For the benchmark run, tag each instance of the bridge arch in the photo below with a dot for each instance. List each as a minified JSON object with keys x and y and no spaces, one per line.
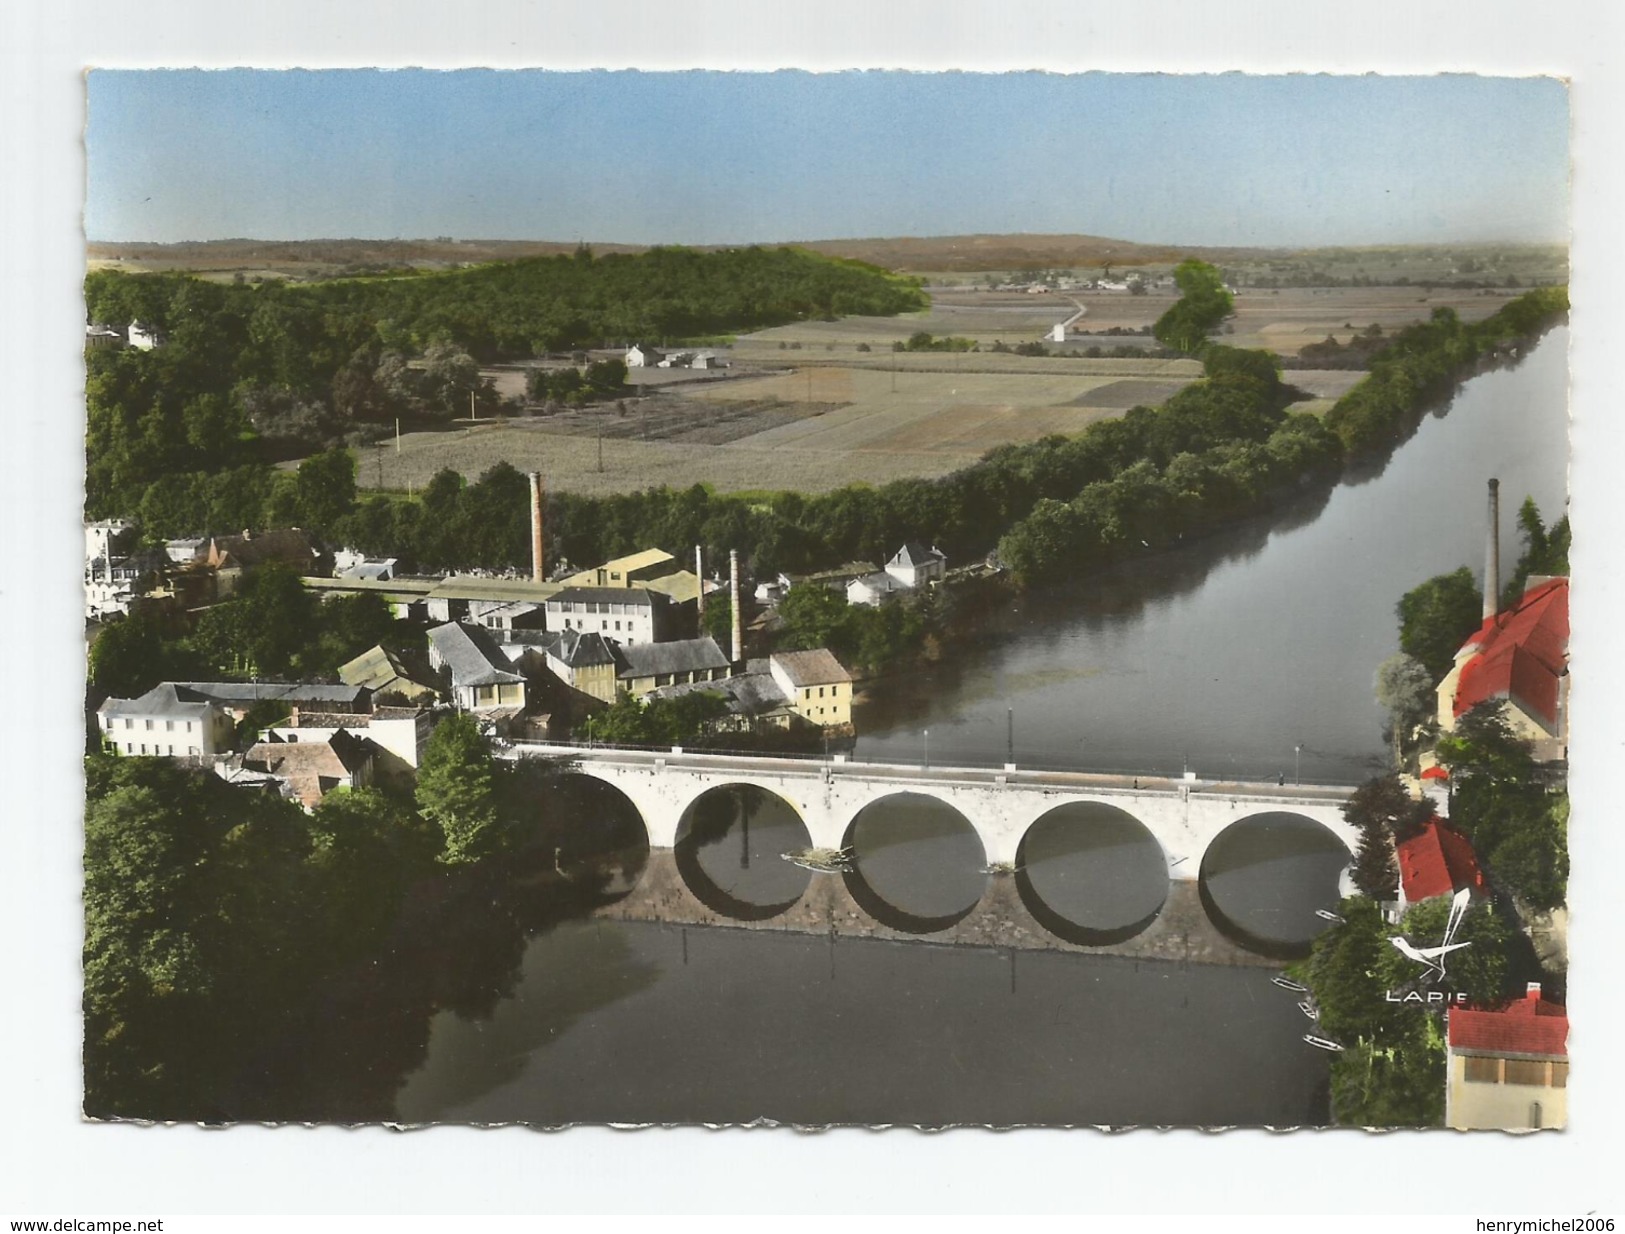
{"x":1265,"y":876}
{"x":918,"y":863}
{"x":729,"y":849}
{"x":1091,"y":872}
{"x":586,"y":822}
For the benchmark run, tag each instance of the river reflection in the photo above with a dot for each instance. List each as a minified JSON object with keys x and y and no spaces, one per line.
{"x":1251,"y":653}
{"x":640,"y":1022}
{"x":730,"y":847}
{"x":918,"y":864}
{"x":1264,"y":877}
{"x":1091,"y":873}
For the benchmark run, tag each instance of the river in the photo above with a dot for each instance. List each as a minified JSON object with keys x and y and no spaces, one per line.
{"x":1250,"y":654}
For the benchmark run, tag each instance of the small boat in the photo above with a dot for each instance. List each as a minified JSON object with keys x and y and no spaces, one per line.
{"x":1286,"y":983}
{"x":1327,"y":915}
{"x":1320,"y":1043}
{"x":1309,"y":1009}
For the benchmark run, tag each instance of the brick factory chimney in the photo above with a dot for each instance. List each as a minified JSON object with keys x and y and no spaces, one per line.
{"x":1492,"y":554}
{"x":538,"y":573}
{"x":699,"y":572}
{"x":733,"y":599}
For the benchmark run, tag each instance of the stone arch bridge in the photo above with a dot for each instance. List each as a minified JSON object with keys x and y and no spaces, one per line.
{"x":1184,"y":815}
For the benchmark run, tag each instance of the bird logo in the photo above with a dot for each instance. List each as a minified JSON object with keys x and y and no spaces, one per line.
{"x":1432,"y":958}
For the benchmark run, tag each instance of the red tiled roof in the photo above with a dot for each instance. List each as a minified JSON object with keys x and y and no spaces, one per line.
{"x":1435,"y":773}
{"x":1521,"y":654}
{"x":1437,"y":862}
{"x":1530,"y":1026}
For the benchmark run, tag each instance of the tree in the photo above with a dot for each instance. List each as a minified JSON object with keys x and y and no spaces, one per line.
{"x":1482,"y":970}
{"x":1436,"y":617}
{"x":1203,"y":304}
{"x":326,"y":487}
{"x":1545,"y":551}
{"x":127,"y":658}
{"x":457,"y":791}
{"x":1406,"y":692}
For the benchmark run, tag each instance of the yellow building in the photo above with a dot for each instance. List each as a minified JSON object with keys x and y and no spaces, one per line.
{"x":1508,"y":1070}
{"x":651,"y":563}
{"x":818,"y":686}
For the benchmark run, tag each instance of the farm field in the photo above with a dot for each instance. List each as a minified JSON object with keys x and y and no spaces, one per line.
{"x":814,"y":429}
{"x":1282,"y":321}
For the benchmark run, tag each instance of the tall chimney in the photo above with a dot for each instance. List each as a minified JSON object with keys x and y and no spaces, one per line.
{"x":733,"y":599}
{"x":1492,"y":554}
{"x":538,"y":573}
{"x":699,"y":573}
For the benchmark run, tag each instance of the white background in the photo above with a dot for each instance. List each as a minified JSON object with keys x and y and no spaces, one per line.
{"x":51,"y":1164}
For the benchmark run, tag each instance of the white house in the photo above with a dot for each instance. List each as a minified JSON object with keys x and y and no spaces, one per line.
{"x":401,"y":731}
{"x":915,"y":565}
{"x":480,"y":676}
{"x":144,"y":336}
{"x":639,"y":356}
{"x":625,"y":614}
{"x":873,"y":589}
{"x":168,"y":721}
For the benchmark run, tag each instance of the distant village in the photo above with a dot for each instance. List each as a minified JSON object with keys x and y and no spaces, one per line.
{"x":530,"y":659}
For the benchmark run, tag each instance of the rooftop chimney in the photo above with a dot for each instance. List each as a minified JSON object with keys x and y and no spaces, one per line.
{"x":1492,"y":554}
{"x":1533,"y":991}
{"x":733,"y":599}
{"x":699,"y":573}
{"x":538,"y":573}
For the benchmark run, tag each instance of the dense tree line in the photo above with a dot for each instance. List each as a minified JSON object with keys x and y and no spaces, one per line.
{"x":249,"y":374}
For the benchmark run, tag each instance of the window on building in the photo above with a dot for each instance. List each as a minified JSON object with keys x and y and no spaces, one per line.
{"x":143,"y":747}
{"x":149,"y":725}
{"x":129,"y":723}
{"x":188,"y":726}
{"x":1483,"y":1070}
{"x":617,"y":627}
{"x":172,"y":749}
{"x":820,"y":691}
{"x":192,"y":749}
{"x":1525,"y":1071}
{"x":1534,"y":1114}
{"x":169,"y":726}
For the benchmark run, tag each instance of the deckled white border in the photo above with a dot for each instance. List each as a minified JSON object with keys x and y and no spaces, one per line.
{"x":53,"y":1164}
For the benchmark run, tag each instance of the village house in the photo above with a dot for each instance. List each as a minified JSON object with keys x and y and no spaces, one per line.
{"x":144,"y":337}
{"x":816,"y":684}
{"x":312,"y":769}
{"x":385,"y":671}
{"x":481,"y":679}
{"x":98,"y":335}
{"x":397,"y":733}
{"x":239,"y":697}
{"x":227,"y":557}
{"x":1438,"y":861}
{"x":1519,"y":657}
{"x":1507,"y":1068}
{"x":754,"y":700}
{"x":408,"y":598}
{"x":628,"y":615}
{"x":584,"y":662}
{"x":874,"y":589}
{"x":471,"y":595}
{"x":914,"y":565}
{"x":624,"y":571}
{"x":168,"y":721}
{"x":639,"y":356}
{"x":644,"y":667}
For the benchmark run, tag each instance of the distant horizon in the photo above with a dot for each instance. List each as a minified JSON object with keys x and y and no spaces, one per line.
{"x":591,"y":241}
{"x":734,"y":159}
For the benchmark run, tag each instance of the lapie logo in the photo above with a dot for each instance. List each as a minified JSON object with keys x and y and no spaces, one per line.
{"x":1432,"y":959}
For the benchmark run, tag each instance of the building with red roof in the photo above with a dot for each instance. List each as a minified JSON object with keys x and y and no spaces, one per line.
{"x":1508,"y":1069}
{"x":1438,"y":861}
{"x":1519,"y":657}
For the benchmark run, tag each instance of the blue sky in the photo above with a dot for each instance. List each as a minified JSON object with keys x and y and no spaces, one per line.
{"x":712,"y":158}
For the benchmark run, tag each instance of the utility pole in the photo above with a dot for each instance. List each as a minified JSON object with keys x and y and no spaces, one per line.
{"x":472,"y":413}
{"x":1010,"y":734}
{"x":600,"y":447}
{"x":397,"y":434}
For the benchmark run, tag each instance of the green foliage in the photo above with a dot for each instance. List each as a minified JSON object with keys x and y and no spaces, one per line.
{"x":1391,"y":1072}
{"x":1424,"y":361}
{"x":325,"y":488}
{"x":211,"y":912}
{"x":1481,"y":971}
{"x":131,"y":655}
{"x":921,"y":340}
{"x":1436,"y":617}
{"x":1545,"y":551}
{"x":457,"y":792}
{"x":1499,"y":800}
{"x":1202,"y":305}
{"x":685,"y":720}
{"x":266,"y":629}
{"x":1405,"y":690}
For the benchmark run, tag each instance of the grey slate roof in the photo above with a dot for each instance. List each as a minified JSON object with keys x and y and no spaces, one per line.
{"x":165,"y":699}
{"x":750,"y":694}
{"x":603,"y":595}
{"x":472,"y":655}
{"x":246,"y":693}
{"x":682,"y":656}
{"x":882,"y":582}
{"x":914,"y":553}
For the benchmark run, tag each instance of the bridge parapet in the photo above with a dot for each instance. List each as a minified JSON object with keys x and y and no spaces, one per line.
{"x":1184,"y":815}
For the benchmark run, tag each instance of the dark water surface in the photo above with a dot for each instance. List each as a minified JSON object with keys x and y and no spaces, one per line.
{"x":1239,"y":648}
{"x":1229,"y":653}
{"x":640,"y":1022}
